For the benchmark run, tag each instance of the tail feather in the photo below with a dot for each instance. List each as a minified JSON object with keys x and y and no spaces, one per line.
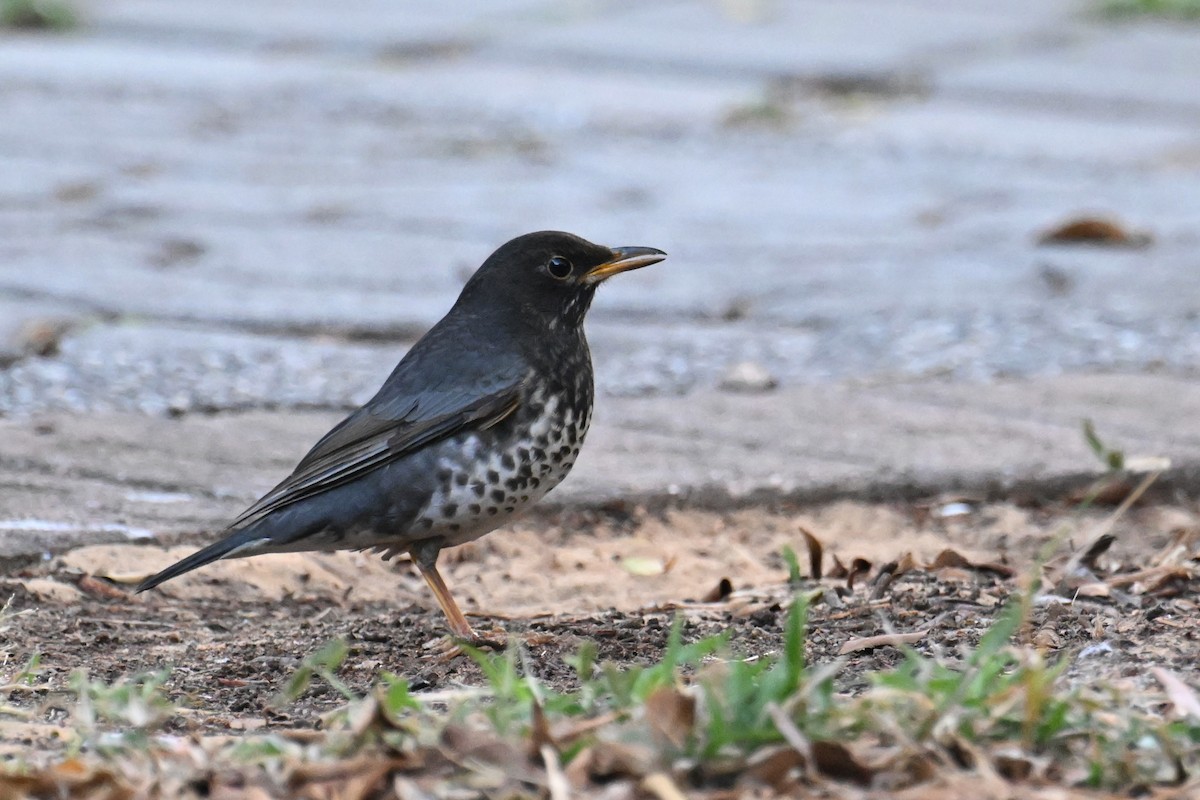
{"x":214,"y":552}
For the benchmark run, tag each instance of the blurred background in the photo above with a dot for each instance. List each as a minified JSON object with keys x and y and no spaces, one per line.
{"x":233,"y":204}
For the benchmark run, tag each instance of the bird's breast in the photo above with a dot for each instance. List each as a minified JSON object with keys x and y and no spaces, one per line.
{"x":486,"y":477}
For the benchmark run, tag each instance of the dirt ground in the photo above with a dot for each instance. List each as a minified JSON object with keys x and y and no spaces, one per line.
{"x":233,"y":633}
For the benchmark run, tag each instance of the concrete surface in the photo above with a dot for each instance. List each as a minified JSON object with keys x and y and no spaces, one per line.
{"x":67,"y":478}
{"x":237,"y":213}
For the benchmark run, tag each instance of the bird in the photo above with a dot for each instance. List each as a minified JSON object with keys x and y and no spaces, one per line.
{"x":482,"y":417}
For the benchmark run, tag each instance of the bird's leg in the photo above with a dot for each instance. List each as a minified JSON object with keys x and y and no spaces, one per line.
{"x":425,"y":557}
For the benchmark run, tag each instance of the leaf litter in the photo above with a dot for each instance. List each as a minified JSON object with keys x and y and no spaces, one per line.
{"x":308,"y":677}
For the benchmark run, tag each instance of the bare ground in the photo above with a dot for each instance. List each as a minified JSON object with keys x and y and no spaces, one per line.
{"x":233,"y":633}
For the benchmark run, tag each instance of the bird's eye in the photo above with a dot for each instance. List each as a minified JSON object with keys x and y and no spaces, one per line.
{"x":559,"y":268}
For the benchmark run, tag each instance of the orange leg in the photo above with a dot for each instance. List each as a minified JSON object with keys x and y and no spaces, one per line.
{"x":459,"y":626}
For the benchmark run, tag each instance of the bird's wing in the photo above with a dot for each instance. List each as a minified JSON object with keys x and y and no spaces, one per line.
{"x":386,"y":428}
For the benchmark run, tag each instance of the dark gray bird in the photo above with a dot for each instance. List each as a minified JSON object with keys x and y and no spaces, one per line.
{"x":482,"y":417}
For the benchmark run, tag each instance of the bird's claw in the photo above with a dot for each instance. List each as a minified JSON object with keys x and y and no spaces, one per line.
{"x":450,"y":646}
{"x":481,"y":642}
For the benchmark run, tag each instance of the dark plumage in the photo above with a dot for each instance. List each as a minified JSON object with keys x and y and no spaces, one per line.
{"x":482,"y":417}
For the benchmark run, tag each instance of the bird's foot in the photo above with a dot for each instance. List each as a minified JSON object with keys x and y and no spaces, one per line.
{"x":450,"y":646}
{"x":497,"y":640}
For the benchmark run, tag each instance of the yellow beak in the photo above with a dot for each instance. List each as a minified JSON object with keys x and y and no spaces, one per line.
{"x":623,"y":260}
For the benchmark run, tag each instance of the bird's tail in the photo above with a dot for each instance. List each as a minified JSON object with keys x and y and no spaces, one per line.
{"x":217,"y":550}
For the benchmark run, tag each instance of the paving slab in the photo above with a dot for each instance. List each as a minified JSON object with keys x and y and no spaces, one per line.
{"x":70,"y":479}
{"x":246,"y":212}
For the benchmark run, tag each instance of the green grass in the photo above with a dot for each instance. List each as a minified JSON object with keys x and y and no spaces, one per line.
{"x":1179,"y":9}
{"x":37,"y":14}
{"x":700,"y":705}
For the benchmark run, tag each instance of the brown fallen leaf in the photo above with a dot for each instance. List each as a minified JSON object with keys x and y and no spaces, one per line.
{"x":859,"y":567}
{"x":567,"y":731}
{"x":889,"y":572}
{"x":540,"y":738}
{"x":882,"y":640}
{"x":70,"y":778}
{"x":247,"y":724}
{"x":1097,"y":548}
{"x":815,"y":552}
{"x":723,"y":589}
{"x":1152,"y":576}
{"x":775,"y":767}
{"x":1179,"y":548}
{"x":671,"y":714}
{"x":102,"y":589}
{"x":608,"y":760}
{"x":839,"y":569}
{"x":1182,"y":696}
{"x":465,"y":746}
{"x":834,"y":760}
{"x":1014,"y":766}
{"x":949,"y":558}
{"x":354,"y":779}
{"x":952,"y":559}
{"x":1109,"y":491}
{"x":882,"y":581}
{"x":1094,"y":231}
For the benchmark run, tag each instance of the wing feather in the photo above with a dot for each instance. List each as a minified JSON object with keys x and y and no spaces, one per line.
{"x":375,"y":435}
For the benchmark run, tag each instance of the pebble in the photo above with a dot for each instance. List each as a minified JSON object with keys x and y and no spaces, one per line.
{"x":748,"y":376}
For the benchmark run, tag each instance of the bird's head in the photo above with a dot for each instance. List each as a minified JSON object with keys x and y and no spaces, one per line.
{"x":549,"y":277}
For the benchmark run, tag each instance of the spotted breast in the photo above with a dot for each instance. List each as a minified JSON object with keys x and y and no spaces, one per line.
{"x":486,"y":478}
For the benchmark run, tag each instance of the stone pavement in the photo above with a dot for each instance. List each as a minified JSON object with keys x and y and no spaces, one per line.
{"x":220,"y":207}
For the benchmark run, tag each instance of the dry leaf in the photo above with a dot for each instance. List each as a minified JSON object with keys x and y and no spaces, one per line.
{"x":355,"y":778}
{"x":1112,"y":491}
{"x":566,"y":731}
{"x":859,"y":567}
{"x":815,"y":552}
{"x":719,"y":592}
{"x":949,"y":558}
{"x":952,"y":559}
{"x":672,"y":714}
{"x":1182,"y":696}
{"x":101,"y":589}
{"x":610,"y":760}
{"x":883,"y":640}
{"x":835,"y":760}
{"x":1094,"y":231}
{"x":1152,"y":576}
{"x":540,"y":737}
{"x":247,"y":724}
{"x":776,"y":767}
{"x":363,"y":715}
{"x":790,"y":732}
